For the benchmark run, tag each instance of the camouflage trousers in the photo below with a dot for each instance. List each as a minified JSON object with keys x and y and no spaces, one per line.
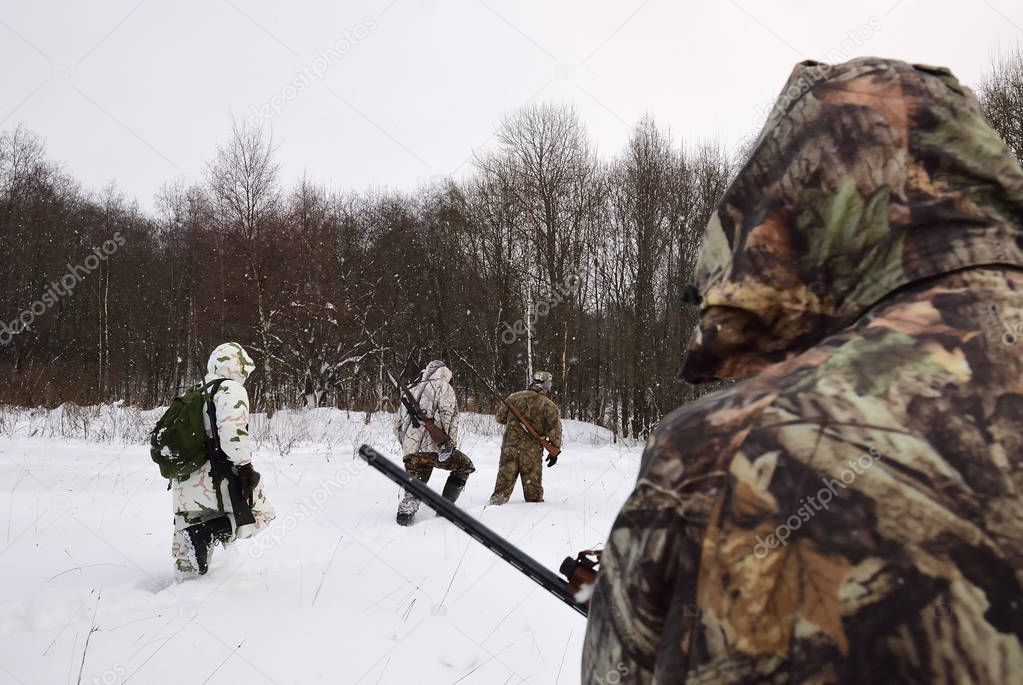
{"x":422,"y":464}
{"x":523,"y":463}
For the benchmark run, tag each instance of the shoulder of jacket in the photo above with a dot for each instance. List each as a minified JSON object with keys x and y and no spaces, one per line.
{"x":231,"y":388}
{"x":230,"y":385}
{"x":706,"y":434}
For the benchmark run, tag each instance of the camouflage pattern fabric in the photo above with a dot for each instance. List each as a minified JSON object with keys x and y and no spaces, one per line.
{"x":195,"y":498}
{"x":523,"y":465}
{"x":521,"y":456}
{"x":853,"y":512}
{"x":422,"y":464}
{"x":436,"y":396}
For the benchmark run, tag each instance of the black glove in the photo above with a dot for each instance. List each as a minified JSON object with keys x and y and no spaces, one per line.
{"x":552,"y":459}
{"x":446,"y":450}
{"x":248,"y":478}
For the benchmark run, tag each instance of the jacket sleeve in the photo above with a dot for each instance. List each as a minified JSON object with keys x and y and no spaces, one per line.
{"x":643,"y":608}
{"x":502,"y":414}
{"x":552,"y":423}
{"x":232,"y":405}
{"x":637,"y":604}
{"x":447,"y":412}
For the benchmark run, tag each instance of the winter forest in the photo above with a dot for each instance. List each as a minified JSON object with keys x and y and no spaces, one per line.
{"x":547,"y":255}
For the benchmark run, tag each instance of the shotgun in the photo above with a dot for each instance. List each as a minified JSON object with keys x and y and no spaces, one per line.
{"x":581,"y":571}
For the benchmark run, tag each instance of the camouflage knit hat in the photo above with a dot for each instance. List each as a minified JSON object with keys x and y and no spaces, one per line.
{"x":868,"y":176}
{"x":542,"y":379}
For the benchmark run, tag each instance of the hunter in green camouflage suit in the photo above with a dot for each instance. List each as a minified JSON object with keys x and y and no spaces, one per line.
{"x":853,"y":512}
{"x":521,"y":455}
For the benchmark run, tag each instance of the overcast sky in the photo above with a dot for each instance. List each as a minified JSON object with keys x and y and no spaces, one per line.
{"x":363,"y":93}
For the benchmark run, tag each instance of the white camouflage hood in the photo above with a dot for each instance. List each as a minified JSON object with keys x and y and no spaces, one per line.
{"x":436,"y":371}
{"x":230,"y":361}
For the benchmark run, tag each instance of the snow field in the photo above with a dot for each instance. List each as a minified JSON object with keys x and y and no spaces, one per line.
{"x":333,"y":592}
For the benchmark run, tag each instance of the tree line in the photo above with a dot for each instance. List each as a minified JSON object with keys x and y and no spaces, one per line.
{"x":546,"y":257}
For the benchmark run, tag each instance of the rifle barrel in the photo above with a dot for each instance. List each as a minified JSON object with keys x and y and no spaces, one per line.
{"x":536,"y":571}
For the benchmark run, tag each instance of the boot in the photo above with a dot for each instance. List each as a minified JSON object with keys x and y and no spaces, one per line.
{"x":407,"y":509}
{"x":203,"y":536}
{"x":453,"y":488}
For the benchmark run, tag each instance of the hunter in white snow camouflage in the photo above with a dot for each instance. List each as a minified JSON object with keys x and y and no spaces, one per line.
{"x":197,"y":499}
{"x":437,"y":398}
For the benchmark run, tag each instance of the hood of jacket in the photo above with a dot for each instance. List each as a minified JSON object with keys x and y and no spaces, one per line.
{"x":433,"y":372}
{"x":229,"y":361}
{"x":868,"y":177}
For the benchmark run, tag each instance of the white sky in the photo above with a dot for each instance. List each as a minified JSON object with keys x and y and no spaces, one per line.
{"x":140,"y":93}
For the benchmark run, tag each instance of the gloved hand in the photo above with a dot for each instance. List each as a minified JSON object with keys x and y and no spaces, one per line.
{"x":552,"y":459}
{"x":248,"y":477}
{"x":446,"y":450}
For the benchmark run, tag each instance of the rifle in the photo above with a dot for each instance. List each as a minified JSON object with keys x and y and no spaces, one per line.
{"x":416,"y":413}
{"x":539,"y":439}
{"x":583,"y":574}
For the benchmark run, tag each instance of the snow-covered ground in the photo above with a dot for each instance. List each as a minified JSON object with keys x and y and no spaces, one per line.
{"x":334,"y":592}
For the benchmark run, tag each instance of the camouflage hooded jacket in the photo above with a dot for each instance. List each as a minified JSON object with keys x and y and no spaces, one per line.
{"x":198,"y":494}
{"x":854,"y":511}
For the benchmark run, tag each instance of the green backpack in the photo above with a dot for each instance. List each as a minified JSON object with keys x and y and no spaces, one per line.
{"x":178,"y":443}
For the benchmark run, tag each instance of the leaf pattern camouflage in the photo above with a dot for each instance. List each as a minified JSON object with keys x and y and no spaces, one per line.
{"x":851,"y":511}
{"x":521,"y":456}
{"x":422,"y":464}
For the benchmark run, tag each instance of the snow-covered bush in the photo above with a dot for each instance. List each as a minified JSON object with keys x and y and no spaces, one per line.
{"x":282,"y":433}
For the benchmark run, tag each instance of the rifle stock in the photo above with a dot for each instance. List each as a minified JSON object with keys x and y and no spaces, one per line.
{"x":551,"y":448}
{"x":437,"y":434}
{"x":412,"y":406}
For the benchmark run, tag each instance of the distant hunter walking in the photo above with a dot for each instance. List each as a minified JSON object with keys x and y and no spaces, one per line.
{"x":535,"y":423}
{"x":427,"y":428}
{"x":202,"y":447}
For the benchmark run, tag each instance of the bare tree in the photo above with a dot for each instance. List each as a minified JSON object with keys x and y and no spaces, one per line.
{"x":243,"y":182}
{"x":596,"y":253}
{"x":645,"y":220}
{"x":1001,"y":98}
{"x":554,"y":179}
